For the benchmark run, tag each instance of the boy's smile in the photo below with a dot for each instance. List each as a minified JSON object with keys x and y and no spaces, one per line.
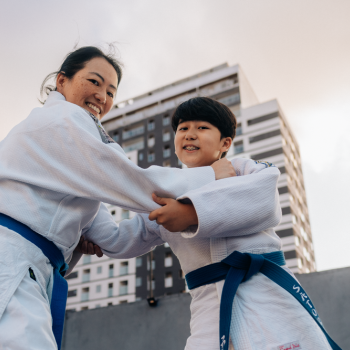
{"x":199,"y":143}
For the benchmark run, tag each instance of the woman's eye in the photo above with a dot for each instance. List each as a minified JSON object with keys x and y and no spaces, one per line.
{"x":95,"y":82}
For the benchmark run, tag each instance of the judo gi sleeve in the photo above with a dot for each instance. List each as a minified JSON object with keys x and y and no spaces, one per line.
{"x":131,"y":238}
{"x":237,"y":206}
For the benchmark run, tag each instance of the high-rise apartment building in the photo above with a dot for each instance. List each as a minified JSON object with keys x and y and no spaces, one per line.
{"x":142,"y":126}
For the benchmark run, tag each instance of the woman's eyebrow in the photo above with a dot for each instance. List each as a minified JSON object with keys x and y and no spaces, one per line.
{"x":101,"y":77}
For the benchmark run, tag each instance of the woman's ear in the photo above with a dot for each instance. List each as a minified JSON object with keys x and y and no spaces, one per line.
{"x":60,"y":82}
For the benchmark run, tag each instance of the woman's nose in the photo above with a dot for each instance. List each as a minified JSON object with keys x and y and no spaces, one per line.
{"x":101,"y":97}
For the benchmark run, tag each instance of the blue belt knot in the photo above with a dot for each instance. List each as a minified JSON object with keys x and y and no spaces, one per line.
{"x":240,"y":267}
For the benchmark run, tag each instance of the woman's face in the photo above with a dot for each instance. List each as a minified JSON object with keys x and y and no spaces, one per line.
{"x":92,"y":88}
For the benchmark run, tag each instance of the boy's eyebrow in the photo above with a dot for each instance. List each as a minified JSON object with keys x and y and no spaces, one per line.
{"x":101,"y":77}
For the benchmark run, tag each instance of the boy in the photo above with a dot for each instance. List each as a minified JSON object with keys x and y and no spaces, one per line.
{"x":264,"y":315}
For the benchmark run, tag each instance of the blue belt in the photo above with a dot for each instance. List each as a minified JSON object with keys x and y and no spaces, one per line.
{"x":239,"y":267}
{"x":60,"y":286}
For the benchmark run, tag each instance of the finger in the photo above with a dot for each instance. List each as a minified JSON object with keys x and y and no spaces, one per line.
{"x":159,"y":200}
{"x":84,"y":247}
{"x":153,"y":215}
{"x":91,"y":248}
{"x":98,"y":251}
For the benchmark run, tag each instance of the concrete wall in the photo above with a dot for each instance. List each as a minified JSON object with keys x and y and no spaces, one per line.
{"x":136,"y":326}
{"x":330,"y":292}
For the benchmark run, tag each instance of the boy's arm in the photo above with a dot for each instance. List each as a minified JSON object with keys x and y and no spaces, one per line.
{"x":236,"y":206}
{"x":129,"y":239}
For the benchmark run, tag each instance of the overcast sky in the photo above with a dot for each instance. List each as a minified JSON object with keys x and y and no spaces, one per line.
{"x":296,"y":51}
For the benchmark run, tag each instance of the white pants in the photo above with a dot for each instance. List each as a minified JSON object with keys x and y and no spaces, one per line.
{"x":25,"y":316}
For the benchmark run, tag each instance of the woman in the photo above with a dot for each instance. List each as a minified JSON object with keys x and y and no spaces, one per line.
{"x":56,"y":167}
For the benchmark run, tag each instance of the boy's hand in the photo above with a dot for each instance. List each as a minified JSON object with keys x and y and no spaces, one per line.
{"x":173,"y":215}
{"x":223,"y":169}
{"x":89,"y":248}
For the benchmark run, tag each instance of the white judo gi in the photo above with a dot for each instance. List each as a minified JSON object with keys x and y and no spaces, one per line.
{"x":264,"y":316}
{"x":54,"y":173}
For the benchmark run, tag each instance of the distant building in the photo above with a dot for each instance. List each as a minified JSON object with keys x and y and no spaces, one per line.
{"x":142,"y":127}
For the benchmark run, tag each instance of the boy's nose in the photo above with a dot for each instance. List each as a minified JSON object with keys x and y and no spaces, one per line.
{"x":191,"y":136}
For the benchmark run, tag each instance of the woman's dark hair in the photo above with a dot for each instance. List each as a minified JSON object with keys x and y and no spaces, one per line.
{"x":208,"y":110}
{"x":76,"y":60}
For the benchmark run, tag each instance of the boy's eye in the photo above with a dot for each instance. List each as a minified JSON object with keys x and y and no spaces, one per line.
{"x":95,"y":82}
{"x":203,"y":127}
{"x":110,"y":94}
{"x":183,"y":128}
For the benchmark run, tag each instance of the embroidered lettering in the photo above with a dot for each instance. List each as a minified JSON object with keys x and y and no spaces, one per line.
{"x":296,"y":287}
{"x":303,"y":296}
{"x":290,"y":346}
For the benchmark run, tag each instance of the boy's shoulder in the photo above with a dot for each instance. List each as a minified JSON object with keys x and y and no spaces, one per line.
{"x":244,"y":166}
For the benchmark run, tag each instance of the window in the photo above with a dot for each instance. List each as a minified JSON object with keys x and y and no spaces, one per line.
{"x":72,"y":275}
{"x":72,"y":293}
{"x":99,"y":269}
{"x":285,"y":233}
{"x":166,"y":245}
{"x":238,"y":147}
{"x":98,"y":288}
{"x":282,"y":190}
{"x":167,"y":163}
{"x":123,"y":287}
{"x":166,"y":136}
{"x":86,"y":275}
{"x":85,"y":294}
{"x":153,"y":264}
{"x":124,"y":266}
{"x":168,"y":259}
{"x":264,"y":136}
{"x":115,"y":137}
{"x":166,"y":152}
{"x":138,"y":281}
{"x":123,"y":302}
{"x":168,"y":280}
{"x":300,"y":263}
{"x":139,"y":261}
{"x":112,"y":212}
{"x":286,"y":211}
{"x":140,"y":156}
{"x":151,"y":157}
{"x":239,"y":129}
{"x":181,"y":274}
{"x":110,"y":290}
{"x":297,"y":242}
{"x":230,"y":100}
{"x":125,"y":214}
{"x":87,"y":259}
{"x":110,"y":304}
{"x":84,"y":308}
{"x":151,"y":141}
{"x":153,"y":283}
{"x":267,"y":154}
{"x":132,"y":145}
{"x":262,"y":119}
{"x":97,"y":306}
{"x":151,"y":125}
{"x":166,"y":120}
{"x":134,"y":131}
{"x":290,"y":254}
{"x":111,"y":270}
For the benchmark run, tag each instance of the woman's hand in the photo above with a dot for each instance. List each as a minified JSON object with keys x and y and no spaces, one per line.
{"x":223,"y":168}
{"x":173,"y":215}
{"x":89,"y":248}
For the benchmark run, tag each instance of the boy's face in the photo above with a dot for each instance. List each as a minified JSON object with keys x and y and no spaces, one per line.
{"x":199,"y":143}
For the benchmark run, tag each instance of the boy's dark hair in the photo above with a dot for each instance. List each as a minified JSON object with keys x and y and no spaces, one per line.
{"x":208,"y":110}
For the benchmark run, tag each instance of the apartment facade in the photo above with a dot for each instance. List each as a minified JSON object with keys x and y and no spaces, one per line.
{"x":142,"y":126}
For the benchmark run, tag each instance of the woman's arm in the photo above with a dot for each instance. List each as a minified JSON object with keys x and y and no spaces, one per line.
{"x":59,"y":148}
